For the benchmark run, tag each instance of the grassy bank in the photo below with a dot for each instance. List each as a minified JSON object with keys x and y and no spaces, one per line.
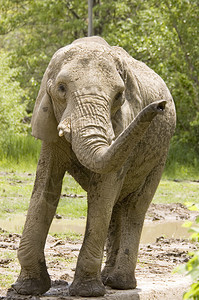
{"x":18,"y":160}
{"x":182,"y":161}
{"x":21,"y":153}
{"x":16,"y":189}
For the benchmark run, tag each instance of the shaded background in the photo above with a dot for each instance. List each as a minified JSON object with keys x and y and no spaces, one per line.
{"x":163,"y":34}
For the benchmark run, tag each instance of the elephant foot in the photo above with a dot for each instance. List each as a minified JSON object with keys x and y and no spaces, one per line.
{"x":105,"y":273}
{"x":87,"y":288}
{"x":33,"y":286}
{"x":119,"y":280}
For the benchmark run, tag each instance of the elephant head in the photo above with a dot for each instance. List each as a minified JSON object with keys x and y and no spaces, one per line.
{"x":85,"y":96}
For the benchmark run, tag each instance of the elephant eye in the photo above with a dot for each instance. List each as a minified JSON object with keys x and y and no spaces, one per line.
{"x":117,"y":103}
{"x":118,"y":96}
{"x":119,"y":99}
{"x":61,"y":88}
{"x":61,"y":91}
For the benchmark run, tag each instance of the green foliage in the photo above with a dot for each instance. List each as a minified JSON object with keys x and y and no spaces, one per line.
{"x":182,"y":161}
{"x":164,"y":34}
{"x":42,"y":27}
{"x":12,"y":106}
{"x":191,"y":268}
{"x":14,"y":142}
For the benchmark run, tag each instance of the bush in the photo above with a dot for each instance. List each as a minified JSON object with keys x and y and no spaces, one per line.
{"x":182,"y":161}
{"x":12,"y":100}
{"x":15,"y":140}
{"x":192,"y":266}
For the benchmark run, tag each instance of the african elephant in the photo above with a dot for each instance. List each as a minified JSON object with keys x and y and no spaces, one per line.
{"x":107,"y":119}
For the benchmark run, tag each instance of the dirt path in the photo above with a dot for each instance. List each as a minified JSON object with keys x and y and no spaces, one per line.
{"x":156,"y":260}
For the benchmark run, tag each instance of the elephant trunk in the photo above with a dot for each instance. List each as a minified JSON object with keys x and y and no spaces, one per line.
{"x":91,"y":129}
{"x":91,"y":140}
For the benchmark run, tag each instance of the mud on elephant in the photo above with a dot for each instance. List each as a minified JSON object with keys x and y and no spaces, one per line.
{"x":107,"y":119}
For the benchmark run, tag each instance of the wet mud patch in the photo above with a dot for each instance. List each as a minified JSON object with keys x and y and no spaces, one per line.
{"x":156,"y":259}
{"x":170,"y":212}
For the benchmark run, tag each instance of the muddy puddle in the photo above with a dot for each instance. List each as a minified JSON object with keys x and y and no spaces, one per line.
{"x":150,"y":233}
{"x":151,"y":230}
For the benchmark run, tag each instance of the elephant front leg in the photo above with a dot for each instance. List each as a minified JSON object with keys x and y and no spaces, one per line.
{"x":102,"y":194}
{"x":121,"y":274}
{"x":34,"y":278}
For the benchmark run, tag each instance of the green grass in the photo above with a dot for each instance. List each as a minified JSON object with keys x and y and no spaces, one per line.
{"x":10,"y":268}
{"x":19,"y":152}
{"x":72,"y":207}
{"x":70,"y":186}
{"x":15,"y":192}
{"x":69,"y":236}
{"x":9,"y":280}
{"x":177,"y":192}
{"x":18,"y":160}
{"x":16,"y":189}
{"x":182,"y":162}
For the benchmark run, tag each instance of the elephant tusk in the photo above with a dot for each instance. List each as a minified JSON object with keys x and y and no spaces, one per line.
{"x":64,"y":127}
{"x":61,"y":132}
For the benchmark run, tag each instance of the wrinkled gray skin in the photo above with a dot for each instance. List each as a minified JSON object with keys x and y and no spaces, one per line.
{"x":107,"y":119}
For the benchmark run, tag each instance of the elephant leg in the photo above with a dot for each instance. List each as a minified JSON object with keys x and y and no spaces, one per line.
{"x":34,"y":278}
{"x":121,"y":273}
{"x":113,"y":242}
{"x":102,"y":194}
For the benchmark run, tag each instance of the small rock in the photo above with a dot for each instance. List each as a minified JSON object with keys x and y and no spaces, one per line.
{"x":58,"y":216}
{"x":35,"y":298}
{"x":161,"y":238}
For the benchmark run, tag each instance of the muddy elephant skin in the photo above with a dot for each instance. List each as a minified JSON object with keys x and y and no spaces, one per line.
{"x":107,"y":119}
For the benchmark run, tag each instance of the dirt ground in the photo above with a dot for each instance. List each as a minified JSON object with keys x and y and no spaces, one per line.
{"x":156,"y":259}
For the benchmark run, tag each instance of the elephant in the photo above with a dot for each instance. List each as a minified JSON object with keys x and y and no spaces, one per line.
{"x":106,"y":119}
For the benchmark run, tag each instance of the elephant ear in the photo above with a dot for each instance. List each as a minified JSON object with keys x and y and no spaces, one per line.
{"x":129,"y":69}
{"x":44,"y":124}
